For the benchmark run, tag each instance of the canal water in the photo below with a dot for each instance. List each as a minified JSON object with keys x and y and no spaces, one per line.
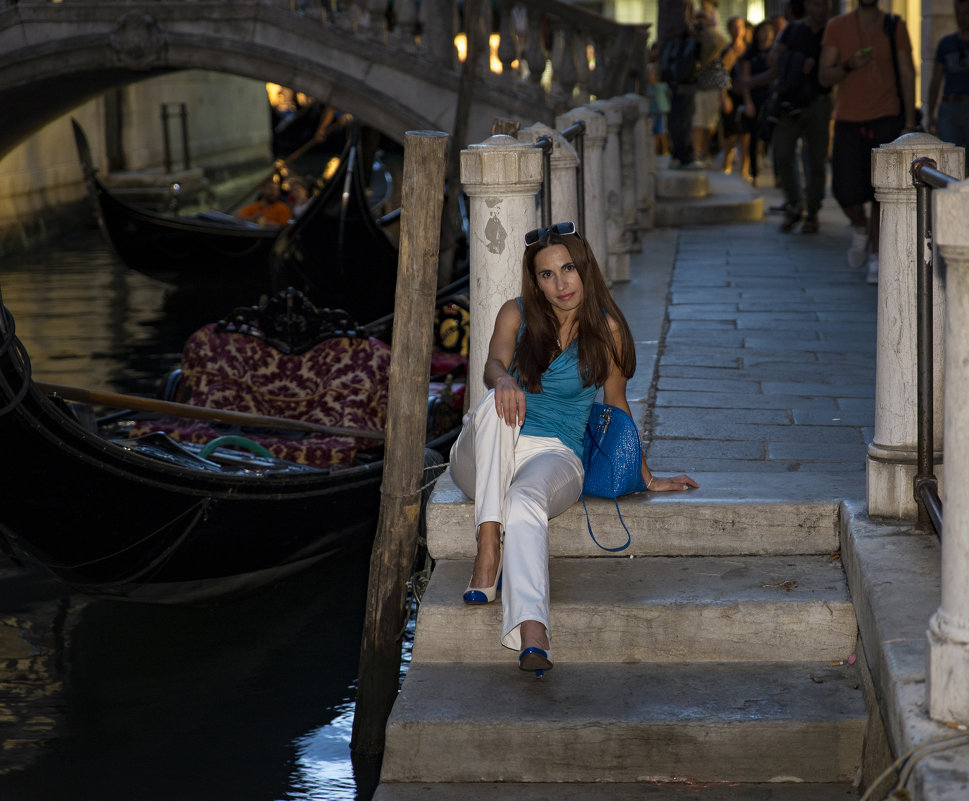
{"x":250,"y":700}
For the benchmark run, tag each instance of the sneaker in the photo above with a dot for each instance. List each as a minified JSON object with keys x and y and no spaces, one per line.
{"x":810,"y":225}
{"x":859,"y":247}
{"x":694,"y":166}
{"x":792,"y":216}
{"x":872,"y":275}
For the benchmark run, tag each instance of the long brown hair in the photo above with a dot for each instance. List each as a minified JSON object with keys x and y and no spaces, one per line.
{"x":597,"y":346}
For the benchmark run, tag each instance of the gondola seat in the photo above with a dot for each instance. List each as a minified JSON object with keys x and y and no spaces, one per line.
{"x":341,"y":382}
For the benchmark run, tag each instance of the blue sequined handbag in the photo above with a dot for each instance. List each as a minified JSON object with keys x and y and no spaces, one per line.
{"x":612,"y":460}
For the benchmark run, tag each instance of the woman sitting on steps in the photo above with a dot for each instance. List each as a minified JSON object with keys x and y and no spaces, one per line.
{"x":519,"y":454}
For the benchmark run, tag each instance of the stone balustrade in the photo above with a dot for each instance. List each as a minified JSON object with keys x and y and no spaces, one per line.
{"x":581,"y":54}
{"x":893,"y":450}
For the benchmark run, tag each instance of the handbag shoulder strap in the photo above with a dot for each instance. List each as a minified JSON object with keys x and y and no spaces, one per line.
{"x":588,"y":523}
{"x":891,"y":25}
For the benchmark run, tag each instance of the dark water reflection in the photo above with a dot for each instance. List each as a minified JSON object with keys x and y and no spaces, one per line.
{"x":108,"y":700}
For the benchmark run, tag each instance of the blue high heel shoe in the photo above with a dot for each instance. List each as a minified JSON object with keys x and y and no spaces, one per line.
{"x":485,"y":595}
{"x":535,"y":659}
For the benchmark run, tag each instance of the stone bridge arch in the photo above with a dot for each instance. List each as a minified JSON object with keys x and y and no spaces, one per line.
{"x":54,"y":56}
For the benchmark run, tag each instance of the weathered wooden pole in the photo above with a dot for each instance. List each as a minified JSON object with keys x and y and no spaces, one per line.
{"x":425,"y":157}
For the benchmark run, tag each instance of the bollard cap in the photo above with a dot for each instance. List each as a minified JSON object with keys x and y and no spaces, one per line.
{"x":562,"y":150}
{"x":891,"y":163}
{"x":502,"y":161}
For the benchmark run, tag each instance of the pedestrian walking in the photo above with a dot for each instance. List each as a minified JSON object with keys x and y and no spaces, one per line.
{"x":803,"y":108}
{"x":717,"y":59}
{"x":679,"y":68}
{"x":950,"y":76}
{"x":519,"y":454}
{"x":756,"y":74}
{"x":868,"y":55}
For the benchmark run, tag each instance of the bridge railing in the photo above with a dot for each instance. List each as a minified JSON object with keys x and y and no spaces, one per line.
{"x":575,"y":54}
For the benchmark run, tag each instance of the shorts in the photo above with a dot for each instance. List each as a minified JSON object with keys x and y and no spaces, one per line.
{"x":851,"y":157}
{"x":658,"y":123}
{"x":706,"y":113}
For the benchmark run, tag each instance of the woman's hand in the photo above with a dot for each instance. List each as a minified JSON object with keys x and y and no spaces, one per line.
{"x":672,"y":483}
{"x":509,"y":400}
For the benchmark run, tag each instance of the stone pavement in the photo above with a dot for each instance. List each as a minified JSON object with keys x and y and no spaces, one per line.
{"x":766,"y":358}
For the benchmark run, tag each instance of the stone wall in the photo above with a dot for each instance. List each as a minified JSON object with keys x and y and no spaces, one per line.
{"x":42,"y":191}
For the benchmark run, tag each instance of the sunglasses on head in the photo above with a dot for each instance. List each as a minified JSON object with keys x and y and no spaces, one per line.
{"x":561,"y":228}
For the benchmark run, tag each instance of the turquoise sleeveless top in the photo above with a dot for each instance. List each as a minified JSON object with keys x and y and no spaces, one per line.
{"x":561,"y":409}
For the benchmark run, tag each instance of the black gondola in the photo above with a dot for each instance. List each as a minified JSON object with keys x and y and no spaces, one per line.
{"x":337,"y":229}
{"x":155,"y":519}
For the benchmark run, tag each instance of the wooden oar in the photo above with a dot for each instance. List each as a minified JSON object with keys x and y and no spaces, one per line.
{"x":198,"y":412}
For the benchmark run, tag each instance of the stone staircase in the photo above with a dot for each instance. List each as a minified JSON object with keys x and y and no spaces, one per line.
{"x":708,"y":661}
{"x":703,"y":197}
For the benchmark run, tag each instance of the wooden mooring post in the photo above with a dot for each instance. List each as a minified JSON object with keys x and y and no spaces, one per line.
{"x":422,"y":199}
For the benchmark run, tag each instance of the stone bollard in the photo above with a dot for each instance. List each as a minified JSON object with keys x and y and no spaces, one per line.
{"x":643,"y":166}
{"x":893,"y":451}
{"x":563,"y":168}
{"x":502,"y":177}
{"x":592,"y":175}
{"x":615,"y":262}
{"x":947,"y":667}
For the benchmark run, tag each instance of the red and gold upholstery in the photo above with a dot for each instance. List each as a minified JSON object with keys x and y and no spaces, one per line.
{"x":340,"y":382}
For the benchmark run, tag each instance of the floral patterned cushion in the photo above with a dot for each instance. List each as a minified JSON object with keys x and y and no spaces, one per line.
{"x":340,"y":382}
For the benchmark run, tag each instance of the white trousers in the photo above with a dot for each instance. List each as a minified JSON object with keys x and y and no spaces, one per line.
{"x":519,"y":482}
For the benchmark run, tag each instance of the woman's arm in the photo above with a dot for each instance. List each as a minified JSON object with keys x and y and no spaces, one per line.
{"x":509,"y":397}
{"x":614,"y":394}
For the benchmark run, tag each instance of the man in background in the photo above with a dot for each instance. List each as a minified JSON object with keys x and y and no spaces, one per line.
{"x":875,"y":104}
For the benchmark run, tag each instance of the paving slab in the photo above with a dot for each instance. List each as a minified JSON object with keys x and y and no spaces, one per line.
{"x":743,"y":400}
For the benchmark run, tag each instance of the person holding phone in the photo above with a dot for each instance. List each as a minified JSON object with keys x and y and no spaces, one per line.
{"x":872,"y":107}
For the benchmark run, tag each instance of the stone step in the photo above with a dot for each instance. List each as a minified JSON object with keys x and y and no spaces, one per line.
{"x":681,"y":184}
{"x":613,"y":791}
{"x":658,"y":609}
{"x":641,"y":722}
{"x":731,"y":514}
{"x":704,"y":197}
{"x":713,"y":209}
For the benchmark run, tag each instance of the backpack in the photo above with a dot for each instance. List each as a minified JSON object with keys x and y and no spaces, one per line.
{"x":680,"y":62}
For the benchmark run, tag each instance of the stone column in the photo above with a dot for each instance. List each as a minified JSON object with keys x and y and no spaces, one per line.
{"x":643,"y":164}
{"x":948,"y":635}
{"x":615,"y":263}
{"x":593,"y":150}
{"x":893,"y":452}
{"x":501,"y":176}
{"x":563,"y":168}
